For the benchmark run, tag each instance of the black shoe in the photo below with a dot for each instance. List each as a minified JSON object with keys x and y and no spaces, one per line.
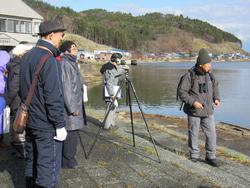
{"x":38,"y":186}
{"x":195,"y":160}
{"x":30,"y":183}
{"x":71,"y":167}
{"x":212,"y":162}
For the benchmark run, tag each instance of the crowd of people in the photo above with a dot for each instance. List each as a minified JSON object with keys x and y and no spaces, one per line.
{"x":57,"y":112}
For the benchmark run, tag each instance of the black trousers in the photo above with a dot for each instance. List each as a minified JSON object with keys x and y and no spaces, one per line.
{"x":69,"y":149}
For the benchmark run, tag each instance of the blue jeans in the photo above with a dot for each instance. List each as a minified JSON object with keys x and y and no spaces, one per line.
{"x":44,"y":154}
{"x":208,"y":126}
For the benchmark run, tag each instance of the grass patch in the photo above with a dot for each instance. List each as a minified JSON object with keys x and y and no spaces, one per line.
{"x":103,"y":164}
{"x":165,"y":129}
{"x":141,"y":173}
{"x":176,"y":165}
{"x":237,"y":158}
{"x":129,"y":152}
{"x":149,"y":150}
{"x":130,"y":186}
{"x":214,"y":183}
{"x":126,"y":139}
{"x":114,"y":174}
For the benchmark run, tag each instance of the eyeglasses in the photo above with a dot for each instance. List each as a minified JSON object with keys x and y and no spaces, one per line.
{"x":73,"y":47}
{"x":59,"y":34}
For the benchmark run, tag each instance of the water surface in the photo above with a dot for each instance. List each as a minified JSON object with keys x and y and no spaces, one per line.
{"x":155,"y":85}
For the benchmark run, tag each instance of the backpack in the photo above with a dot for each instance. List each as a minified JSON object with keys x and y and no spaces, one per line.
{"x":107,"y":66}
{"x":192,"y":76}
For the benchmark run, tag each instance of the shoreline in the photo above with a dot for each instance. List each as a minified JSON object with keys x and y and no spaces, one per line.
{"x":116,"y":162}
{"x":149,"y":60}
{"x":228,"y":135}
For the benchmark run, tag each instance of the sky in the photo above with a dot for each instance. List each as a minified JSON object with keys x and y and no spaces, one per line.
{"x":232,"y":16}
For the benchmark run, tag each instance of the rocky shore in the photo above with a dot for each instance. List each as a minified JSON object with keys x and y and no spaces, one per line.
{"x":114,"y":162}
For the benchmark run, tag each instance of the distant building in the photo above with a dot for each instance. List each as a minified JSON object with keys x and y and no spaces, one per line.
{"x":18,"y":22}
{"x":124,"y":53}
{"x":104,"y":56}
{"x":85,"y":55}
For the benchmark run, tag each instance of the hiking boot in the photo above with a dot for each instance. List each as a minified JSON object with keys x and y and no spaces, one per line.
{"x":30,"y":182}
{"x":71,"y":167}
{"x":195,"y":160}
{"x":212,"y":162}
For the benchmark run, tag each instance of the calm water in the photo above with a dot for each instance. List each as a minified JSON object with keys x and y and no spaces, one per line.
{"x":155,"y":85}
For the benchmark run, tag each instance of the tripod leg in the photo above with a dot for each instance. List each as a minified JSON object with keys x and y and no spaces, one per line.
{"x":81,"y":143}
{"x":99,"y":130}
{"x":131,"y":112}
{"x":103,"y":123}
{"x":144,"y":119}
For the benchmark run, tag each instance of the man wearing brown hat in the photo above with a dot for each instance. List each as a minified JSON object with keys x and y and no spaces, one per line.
{"x":45,"y":129}
{"x":199,"y":91}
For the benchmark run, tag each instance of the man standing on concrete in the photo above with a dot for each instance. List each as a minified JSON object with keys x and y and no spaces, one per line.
{"x":199,"y":91}
{"x":45,"y":129}
{"x":73,"y":98}
{"x":112,"y":72}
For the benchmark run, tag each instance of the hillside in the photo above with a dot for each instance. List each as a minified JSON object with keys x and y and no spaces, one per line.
{"x":83,"y":43}
{"x":153,"y":32}
{"x":181,"y":41}
{"x":170,"y":43}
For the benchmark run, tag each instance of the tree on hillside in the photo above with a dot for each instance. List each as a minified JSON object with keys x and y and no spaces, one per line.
{"x":122,"y":30}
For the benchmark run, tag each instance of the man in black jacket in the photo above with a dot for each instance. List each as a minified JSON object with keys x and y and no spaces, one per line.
{"x":200,"y":92}
{"x":45,"y":129}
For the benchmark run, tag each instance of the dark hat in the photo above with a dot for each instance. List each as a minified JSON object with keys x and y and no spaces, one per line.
{"x":203,"y":57}
{"x":48,"y":27}
{"x":66,"y":45}
{"x":115,"y":57}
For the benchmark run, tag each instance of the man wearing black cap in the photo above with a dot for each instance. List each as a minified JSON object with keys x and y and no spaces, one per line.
{"x":45,"y":129}
{"x":200,"y":94}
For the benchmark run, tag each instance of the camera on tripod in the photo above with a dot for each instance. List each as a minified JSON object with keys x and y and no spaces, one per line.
{"x":130,"y":90}
{"x":126,"y":68}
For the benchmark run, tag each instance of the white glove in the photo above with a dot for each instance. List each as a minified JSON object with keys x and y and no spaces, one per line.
{"x":61,"y":134}
{"x":115,"y":103}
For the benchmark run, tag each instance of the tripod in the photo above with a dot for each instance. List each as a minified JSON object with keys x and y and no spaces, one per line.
{"x":129,"y":86}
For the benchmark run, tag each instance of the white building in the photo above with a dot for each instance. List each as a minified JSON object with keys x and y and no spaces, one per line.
{"x":124,"y":53}
{"x":85,"y":55}
{"x":18,"y":22}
